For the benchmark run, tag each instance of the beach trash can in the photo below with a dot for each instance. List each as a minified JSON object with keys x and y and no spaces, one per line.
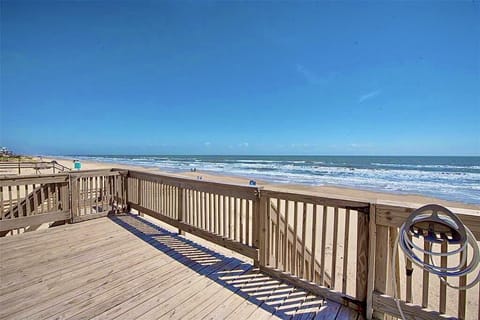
{"x":77,"y":165}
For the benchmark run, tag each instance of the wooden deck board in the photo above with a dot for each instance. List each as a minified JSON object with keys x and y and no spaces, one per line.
{"x":125,"y":267}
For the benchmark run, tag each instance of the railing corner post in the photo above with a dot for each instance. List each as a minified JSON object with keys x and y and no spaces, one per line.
{"x":371,"y":260}
{"x":362,"y":255}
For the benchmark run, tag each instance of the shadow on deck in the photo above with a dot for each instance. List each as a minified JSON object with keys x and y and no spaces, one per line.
{"x":279,"y":299}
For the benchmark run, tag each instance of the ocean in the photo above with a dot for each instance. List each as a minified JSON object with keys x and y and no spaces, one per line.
{"x":448,"y":178}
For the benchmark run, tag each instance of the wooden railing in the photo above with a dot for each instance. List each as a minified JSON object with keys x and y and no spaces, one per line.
{"x":422,"y":296}
{"x":35,"y":165}
{"x":338,"y":248}
{"x":97,"y":193}
{"x":222,"y":213}
{"x":26,"y":202}
{"x":323,"y":245}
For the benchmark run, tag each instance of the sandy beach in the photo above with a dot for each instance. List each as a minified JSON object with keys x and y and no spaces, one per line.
{"x":325,"y":191}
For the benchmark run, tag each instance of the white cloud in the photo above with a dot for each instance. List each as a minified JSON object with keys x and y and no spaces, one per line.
{"x":207,"y":144}
{"x":369,"y":95}
{"x":309,"y":75}
{"x":360,"y":145}
{"x":243,"y":145}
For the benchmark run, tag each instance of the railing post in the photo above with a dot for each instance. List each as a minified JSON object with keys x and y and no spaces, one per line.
{"x":73,"y":196}
{"x":66,"y":197}
{"x":126,"y":207}
{"x":372,"y":231}
{"x":362,"y":255}
{"x":139,"y":196}
{"x":180,"y":208}
{"x":380,"y":267}
{"x":259,"y":226}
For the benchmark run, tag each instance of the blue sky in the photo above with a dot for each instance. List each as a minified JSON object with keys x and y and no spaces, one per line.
{"x":341,"y":78}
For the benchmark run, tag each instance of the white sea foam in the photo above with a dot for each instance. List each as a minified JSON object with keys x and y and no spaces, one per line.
{"x":447,"y":181}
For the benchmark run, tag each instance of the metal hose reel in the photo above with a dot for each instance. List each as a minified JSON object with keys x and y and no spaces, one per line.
{"x":437,"y":225}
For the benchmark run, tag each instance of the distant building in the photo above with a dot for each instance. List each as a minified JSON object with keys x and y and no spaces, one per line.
{"x":5,"y":152}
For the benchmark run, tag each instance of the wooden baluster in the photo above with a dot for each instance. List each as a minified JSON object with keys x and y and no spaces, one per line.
{"x":200,"y":217}
{"x":241,"y":222}
{"x":215,"y":214}
{"x":229,"y":218}
{"x":295,"y":237}
{"x":304,"y":235}
{"x":443,"y":286}
{"x":181,"y":208}
{"x":195,"y":208}
{"x":10,"y":202}
{"x":205,"y":208}
{"x":19,"y":201}
{"x":322,"y":257}
{"x":277,"y":234}
{"x":409,"y":272}
{"x":285,"y":236}
{"x":202,"y":210}
{"x":35,"y":200}
{"x":2,"y":209}
{"x":314,"y":244}
{"x":234,"y":217}
{"x":425,"y":287}
{"x":96,"y":194}
{"x":462,"y":294}
{"x":224,"y":216}
{"x":211,"y":219}
{"x":139,"y":190}
{"x":84,"y":195}
{"x":150,"y":194}
{"x":247,"y":222}
{"x":199,"y":209}
{"x":161,"y":198}
{"x":188,"y":211}
{"x":334,"y":247}
{"x":171,"y":193}
{"x":156,"y":198}
{"x":345,"y":251}
{"x":27,"y":202}
{"x":169,"y":201}
{"x":171,"y":198}
{"x":58,"y":197}
{"x":268,"y":229}
{"x":90,"y":195}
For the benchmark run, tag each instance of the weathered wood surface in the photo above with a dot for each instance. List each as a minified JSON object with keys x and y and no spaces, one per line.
{"x":124,"y":267}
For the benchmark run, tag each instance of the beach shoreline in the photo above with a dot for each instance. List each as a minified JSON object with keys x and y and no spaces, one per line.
{"x":324,"y":191}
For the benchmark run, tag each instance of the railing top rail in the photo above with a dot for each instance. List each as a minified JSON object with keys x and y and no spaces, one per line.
{"x":33,"y":165}
{"x":97,"y":172}
{"x":32,"y":179}
{"x":246,"y":191}
{"x":310,"y":197}
{"x":394,"y":215}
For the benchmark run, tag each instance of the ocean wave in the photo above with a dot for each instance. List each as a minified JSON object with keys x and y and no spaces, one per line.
{"x":449,"y":182}
{"x":432,"y":166}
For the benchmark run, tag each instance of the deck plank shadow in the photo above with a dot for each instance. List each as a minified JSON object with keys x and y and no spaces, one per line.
{"x":139,"y":270}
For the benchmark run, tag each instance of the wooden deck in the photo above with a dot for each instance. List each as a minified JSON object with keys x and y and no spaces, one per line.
{"x":128,"y":268}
